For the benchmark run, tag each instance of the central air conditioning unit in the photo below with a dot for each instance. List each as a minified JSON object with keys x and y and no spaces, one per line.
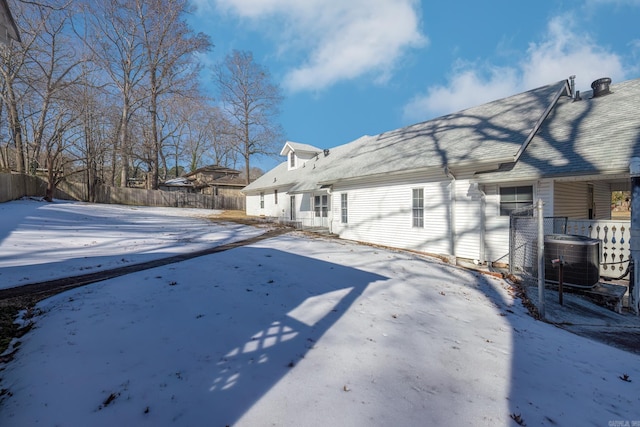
{"x":581,"y":256}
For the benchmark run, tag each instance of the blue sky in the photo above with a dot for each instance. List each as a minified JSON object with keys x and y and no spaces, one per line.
{"x":349,"y":68}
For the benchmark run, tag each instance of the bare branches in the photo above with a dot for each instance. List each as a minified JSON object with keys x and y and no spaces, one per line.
{"x":107,"y":90}
{"x":252,"y":103}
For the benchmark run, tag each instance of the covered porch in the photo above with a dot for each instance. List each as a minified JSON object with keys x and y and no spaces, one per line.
{"x":309,"y":211}
{"x":614,"y":235}
{"x":599,"y":208}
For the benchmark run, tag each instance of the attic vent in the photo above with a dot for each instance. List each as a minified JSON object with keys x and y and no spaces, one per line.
{"x":601,"y":87}
{"x":326,"y":152}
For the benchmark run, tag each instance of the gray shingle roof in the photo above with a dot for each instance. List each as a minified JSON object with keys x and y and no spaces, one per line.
{"x":296,"y":146}
{"x":489,"y":133}
{"x":587,"y":137}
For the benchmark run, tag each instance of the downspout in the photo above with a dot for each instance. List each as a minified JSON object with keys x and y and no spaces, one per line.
{"x":452,"y":215}
{"x":330,"y":213}
{"x":483,"y":224}
{"x":634,"y":292}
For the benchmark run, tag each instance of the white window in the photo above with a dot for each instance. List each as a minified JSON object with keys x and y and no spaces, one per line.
{"x":275,"y":196}
{"x":292,"y":160}
{"x":261,"y":200}
{"x":512,"y":198}
{"x":343,"y":208}
{"x":418,"y":207}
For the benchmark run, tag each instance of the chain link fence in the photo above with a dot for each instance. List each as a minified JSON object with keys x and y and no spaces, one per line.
{"x":523,"y":241}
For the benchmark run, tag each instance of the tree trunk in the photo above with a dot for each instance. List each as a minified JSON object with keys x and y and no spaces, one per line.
{"x":51,"y":180}
{"x":124,"y":145}
{"x":16,"y":129}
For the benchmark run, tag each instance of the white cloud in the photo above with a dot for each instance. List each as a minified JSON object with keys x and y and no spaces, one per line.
{"x":467,"y":87}
{"x":614,"y":2}
{"x":336,"y":40}
{"x":562,"y":52}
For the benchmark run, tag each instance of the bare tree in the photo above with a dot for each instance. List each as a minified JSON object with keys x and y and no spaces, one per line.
{"x":113,"y":34}
{"x":169,"y":44}
{"x":209,"y":138}
{"x":98,"y":123}
{"x":221,"y":145}
{"x":13,"y":58}
{"x":252,"y":102}
{"x":200,"y":134}
{"x":54,"y":69}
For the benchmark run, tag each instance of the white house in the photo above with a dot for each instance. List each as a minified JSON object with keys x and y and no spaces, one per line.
{"x":446,"y":186}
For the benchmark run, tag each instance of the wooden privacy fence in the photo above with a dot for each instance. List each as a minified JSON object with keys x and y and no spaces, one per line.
{"x":178,"y":199}
{"x":15,"y":186}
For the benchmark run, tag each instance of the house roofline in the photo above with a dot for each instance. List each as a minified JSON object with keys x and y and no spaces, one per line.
{"x":560,"y":177}
{"x":565,"y":89}
{"x":432,"y":171}
{"x":214,"y":168}
{"x":283,"y":187}
{"x":301,"y":148}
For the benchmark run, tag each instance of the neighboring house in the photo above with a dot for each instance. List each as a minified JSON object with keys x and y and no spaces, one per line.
{"x":8,"y":28}
{"x":178,"y":184}
{"x":217,"y":181}
{"x":446,"y":186}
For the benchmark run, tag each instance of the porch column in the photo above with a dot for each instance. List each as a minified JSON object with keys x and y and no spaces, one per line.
{"x":634,"y":243}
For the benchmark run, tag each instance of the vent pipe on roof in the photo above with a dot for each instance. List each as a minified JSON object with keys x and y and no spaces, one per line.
{"x":572,"y":86}
{"x":326,"y":152}
{"x":601,"y":87}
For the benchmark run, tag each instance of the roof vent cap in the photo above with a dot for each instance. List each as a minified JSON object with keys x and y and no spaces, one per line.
{"x":601,"y":87}
{"x":326,"y":152}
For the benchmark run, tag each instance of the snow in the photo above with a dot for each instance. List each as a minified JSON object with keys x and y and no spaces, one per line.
{"x":43,"y":241}
{"x":289,"y":331}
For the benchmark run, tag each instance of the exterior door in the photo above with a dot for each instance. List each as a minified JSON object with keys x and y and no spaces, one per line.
{"x":321,"y":210}
{"x":292,"y":208}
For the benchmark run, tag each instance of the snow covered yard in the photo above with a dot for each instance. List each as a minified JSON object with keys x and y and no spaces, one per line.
{"x":299,"y":331}
{"x":43,"y":241}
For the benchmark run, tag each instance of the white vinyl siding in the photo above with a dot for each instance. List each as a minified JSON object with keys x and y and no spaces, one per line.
{"x":602,"y":193}
{"x":468,"y":218}
{"x":383,"y":215}
{"x":497,"y":227}
{"x":545,"y":191}
{"x":252,"y":202}
{"x":264,"y":204}
{"x":571,"y":200}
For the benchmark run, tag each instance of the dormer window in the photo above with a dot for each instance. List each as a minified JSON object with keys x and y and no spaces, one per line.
{"x":298,"y":154}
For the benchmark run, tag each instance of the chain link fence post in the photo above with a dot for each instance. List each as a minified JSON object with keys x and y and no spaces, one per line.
{"x":541,"y":276}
